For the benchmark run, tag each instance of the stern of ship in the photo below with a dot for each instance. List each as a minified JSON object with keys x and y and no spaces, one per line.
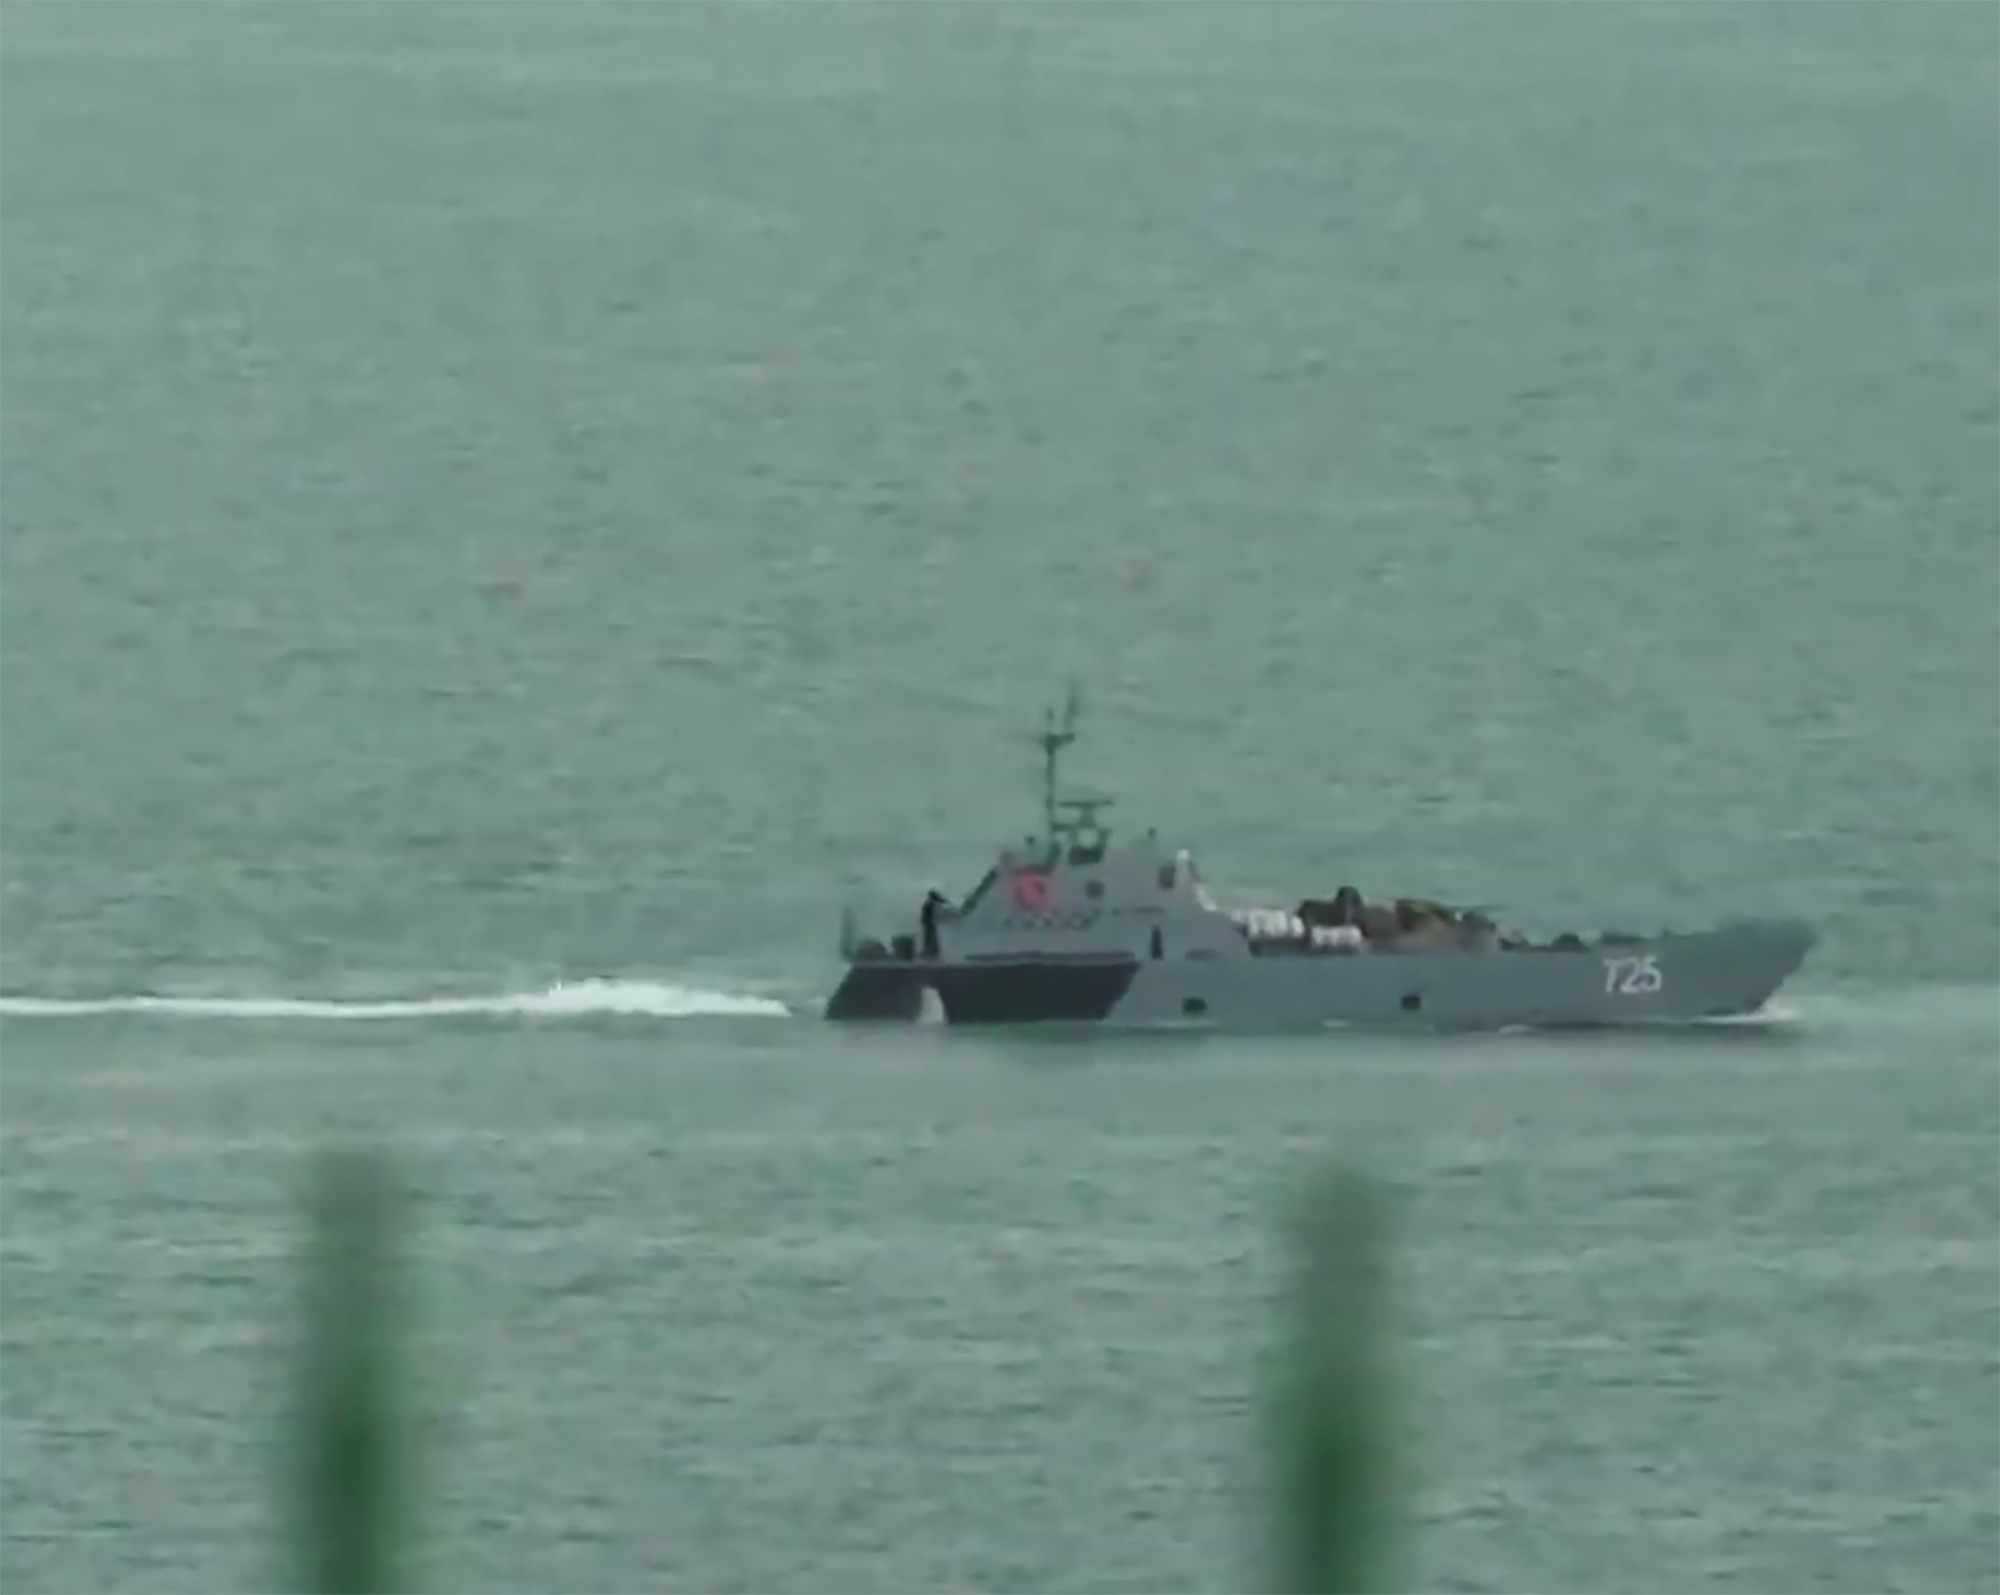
{"x":879,"y":989}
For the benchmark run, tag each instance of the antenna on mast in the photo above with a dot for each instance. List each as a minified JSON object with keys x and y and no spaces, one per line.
{"x":1053,"y":741}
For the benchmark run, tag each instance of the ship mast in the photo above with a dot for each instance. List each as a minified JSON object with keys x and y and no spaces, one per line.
{"x":1053,"y":741}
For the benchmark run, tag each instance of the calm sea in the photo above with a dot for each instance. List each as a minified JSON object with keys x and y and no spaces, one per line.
{"x":515,"y":513}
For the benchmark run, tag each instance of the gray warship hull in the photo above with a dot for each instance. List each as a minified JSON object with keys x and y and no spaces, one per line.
{"x":1674,"y":979}
{"x":1075,"y":927}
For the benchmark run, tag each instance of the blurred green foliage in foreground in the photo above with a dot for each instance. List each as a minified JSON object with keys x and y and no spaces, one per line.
{"x":351,"y":1454}
{"x":1334,"y":1488}
{"x":1331,"y":1483}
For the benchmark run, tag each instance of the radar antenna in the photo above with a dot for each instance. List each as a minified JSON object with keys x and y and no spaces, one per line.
{"x":1053,"y":741}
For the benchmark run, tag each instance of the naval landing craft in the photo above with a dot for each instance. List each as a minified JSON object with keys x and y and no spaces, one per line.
{"x":1075,"y":927}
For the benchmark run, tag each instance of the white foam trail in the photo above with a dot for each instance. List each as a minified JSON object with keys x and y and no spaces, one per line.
{"x":583,"y":999}
{"x":1959,"y":1010}
{"x":1773,"y":1015}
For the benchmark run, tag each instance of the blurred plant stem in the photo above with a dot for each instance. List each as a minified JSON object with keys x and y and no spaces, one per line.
{"x":349,"y":1485}
{"x":1333,"y":1478}
{"x":1334,"y":1464}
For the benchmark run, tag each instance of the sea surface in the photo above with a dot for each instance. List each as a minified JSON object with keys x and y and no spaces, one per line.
{"x":513,"y":515}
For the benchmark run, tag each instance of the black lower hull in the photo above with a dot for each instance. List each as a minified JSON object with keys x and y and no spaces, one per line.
{"x":879,"y":991}
{"x":999,"y":993}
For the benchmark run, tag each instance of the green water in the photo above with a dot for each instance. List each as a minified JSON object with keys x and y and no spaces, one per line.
{"x":497,"y":496}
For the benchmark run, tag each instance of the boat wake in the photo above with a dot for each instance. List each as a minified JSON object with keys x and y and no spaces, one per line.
{"x":583,"y":999}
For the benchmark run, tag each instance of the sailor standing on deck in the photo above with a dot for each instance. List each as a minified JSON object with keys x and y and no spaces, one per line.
{"x":934,"y":902}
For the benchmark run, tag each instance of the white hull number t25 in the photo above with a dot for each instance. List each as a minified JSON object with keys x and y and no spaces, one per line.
{"x":1632,"y":977}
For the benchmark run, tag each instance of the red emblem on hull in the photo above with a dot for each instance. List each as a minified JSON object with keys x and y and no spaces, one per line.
{"x":1029,"y":888}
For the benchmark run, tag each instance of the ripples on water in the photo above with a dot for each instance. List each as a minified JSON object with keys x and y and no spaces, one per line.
{"x":744,"y":1303}
{"x":578,"y":490}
